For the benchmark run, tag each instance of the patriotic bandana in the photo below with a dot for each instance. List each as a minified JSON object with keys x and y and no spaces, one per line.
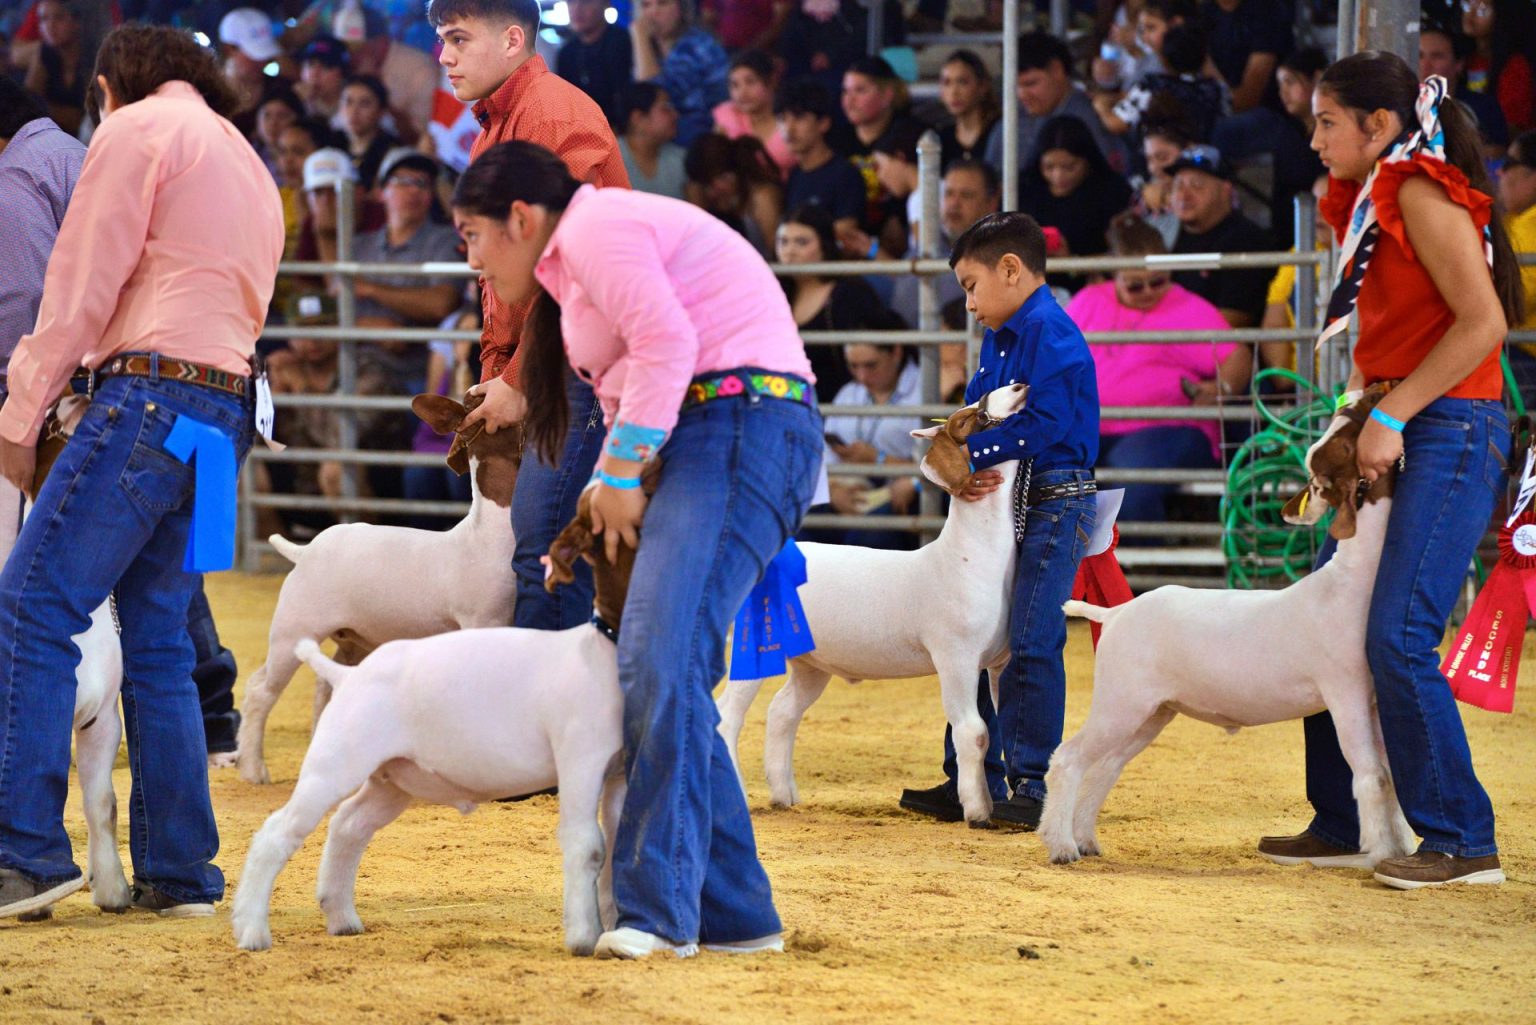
{"x":1364,"y":231}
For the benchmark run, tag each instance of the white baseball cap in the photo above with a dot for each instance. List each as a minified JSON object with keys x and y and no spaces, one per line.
{"x":250,"y":31}
{"x":325,"y":167}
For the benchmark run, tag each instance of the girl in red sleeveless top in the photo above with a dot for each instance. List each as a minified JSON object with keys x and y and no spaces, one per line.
{"x":1439,"y":289}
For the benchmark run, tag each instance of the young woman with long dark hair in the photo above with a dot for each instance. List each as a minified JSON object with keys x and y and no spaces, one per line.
{"x":159,"y":281}
{"x":1435,"y":283}
{"x":690,"y":346}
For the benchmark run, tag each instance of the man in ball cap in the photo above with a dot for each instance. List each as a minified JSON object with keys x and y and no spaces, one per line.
{"x":1209,"y":222}
{"x":323,"y":68}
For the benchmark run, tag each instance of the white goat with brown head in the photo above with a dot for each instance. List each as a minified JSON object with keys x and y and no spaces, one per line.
{"x":1245,"y":658}
{"x":888,"y":615}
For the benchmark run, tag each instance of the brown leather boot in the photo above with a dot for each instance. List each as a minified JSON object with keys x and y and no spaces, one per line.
{"x":1306,"y":849}
{"x":1432,"y":868}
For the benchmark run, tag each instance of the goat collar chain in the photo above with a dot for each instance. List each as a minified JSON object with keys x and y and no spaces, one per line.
{"x":1021,"y":500}
{"x":604,"y":628}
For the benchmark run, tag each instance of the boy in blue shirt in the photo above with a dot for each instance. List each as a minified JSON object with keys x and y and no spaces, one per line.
{"x":1000,"y":263}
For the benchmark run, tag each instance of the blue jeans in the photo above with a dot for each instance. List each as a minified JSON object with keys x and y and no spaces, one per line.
{"x":544,"y":502}
{"x":1454,"y":457}
{"x":115,"y":513}
{"x":1175,"y":447}
{"x":1032,"y":695}
{"x":737,"y":475}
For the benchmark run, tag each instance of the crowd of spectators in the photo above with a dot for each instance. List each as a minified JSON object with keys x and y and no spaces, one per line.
{"x":1181,"y":126}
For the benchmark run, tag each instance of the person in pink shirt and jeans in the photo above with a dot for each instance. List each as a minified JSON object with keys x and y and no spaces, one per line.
{"x":689,"y":343}
{"x":1193,"y":374}
{"x":159,"y":282}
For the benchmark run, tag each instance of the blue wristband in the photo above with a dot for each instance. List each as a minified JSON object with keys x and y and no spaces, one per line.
{"x":1386,"y":421}
{"x":621,"y":483}
{"x":874,"y":249}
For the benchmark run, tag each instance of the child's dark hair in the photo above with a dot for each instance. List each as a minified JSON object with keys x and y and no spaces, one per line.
{"x":373,"y":84}
{"x":319,"y":131}
{"x":996,"y":235}
{"x":1373,"y":80}
{"x":525,"y":172}
{"x":757,"y":62}
{"x":1309,"y":61}
{"x":634,"y":98}
{"x":524,"y":12}
{"x":1038,"y":50}
{"x":806,"y":96}
{"x":991,"y":181}
{"x":1184,"y":48}
{"x":819,"y":219}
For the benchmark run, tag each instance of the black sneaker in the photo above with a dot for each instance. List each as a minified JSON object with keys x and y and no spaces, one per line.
{"x":1018,"y":812}
{"x":22,"y":898}
{"x":941,"y":802}
{"x":147,"y":898}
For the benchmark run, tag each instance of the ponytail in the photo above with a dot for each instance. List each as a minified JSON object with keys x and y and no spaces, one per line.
{"x":544,"y":370}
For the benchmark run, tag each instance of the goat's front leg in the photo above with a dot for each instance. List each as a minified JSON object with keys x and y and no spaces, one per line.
{"x":957,"y":686}
{"x":95,"y":752}
{"x":1384,"y":833}
{"x":800,"y":691}
{"x":262,"y":690}
{"x":733,"y":704}
{"x":357,"y":820}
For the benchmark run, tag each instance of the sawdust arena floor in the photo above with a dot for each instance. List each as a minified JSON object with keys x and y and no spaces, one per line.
{"x":892,"y":918}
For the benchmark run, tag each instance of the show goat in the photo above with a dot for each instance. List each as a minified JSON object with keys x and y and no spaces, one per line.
{"x":893,"y":615}
{"x":1245,"y":658}
{"x":365,"y":584}
{"x":460,"y":719}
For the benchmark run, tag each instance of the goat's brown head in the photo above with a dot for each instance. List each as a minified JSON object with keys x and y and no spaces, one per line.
{"x":610,"y":579}
{"x":499,"y":455}
{"x":1333,"y":472}
{"x":62,"y":420}
{"x":948,"y":462}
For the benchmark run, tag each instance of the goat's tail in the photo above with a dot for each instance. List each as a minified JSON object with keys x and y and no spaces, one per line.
{"x":332,"y":672}
{"x":1082,"y":609}
{"x":286,"y":548}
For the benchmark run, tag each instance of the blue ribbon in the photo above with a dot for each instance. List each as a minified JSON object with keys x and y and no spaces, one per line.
{"x":211,"y":453}
{"x":770,"y":626}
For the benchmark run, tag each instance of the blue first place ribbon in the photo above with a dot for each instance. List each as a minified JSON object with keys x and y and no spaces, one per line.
{"x":770,"y":626}
{"x":211,"y":545}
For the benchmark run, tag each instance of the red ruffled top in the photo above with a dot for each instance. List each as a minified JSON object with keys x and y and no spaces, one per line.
{"x":1402,"y":314}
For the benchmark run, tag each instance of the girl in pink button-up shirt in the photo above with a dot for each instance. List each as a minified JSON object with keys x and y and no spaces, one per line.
{"x":693,"y":352}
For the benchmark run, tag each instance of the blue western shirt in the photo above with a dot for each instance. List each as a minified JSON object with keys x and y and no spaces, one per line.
{"x":1059,"y":425}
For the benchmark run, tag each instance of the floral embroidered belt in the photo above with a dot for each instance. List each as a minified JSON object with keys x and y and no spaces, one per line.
{"x":748,"y":381}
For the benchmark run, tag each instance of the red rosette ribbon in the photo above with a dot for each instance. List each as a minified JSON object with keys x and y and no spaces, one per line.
{"x":1484,"y":662}
{"x":1100,"y":581}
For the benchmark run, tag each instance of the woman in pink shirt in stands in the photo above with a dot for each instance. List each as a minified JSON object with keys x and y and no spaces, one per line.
{"x":159,"y":282}
{"x":690,"y":345}
{"x":1155,"y":374}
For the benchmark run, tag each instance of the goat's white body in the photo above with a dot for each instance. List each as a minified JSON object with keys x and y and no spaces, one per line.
{"x":456,"y":719}
{"x":877,"y":614}
{"x":366,"y":585}
{"x":1232,"y":658}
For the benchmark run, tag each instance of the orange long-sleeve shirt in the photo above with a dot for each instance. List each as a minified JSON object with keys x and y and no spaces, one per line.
{"x":535,"y":105}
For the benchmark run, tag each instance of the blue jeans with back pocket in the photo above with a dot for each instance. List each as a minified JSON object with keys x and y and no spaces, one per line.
{"x":1454,"y":454}
{"x":115,"y":513}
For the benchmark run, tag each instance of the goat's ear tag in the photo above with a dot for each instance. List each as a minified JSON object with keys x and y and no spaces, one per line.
{"x":1301,"y":503}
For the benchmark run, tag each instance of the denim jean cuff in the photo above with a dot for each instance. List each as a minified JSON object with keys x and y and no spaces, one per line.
{"x":49,"y":880}
{"x":1030,"y":788}
{"x":177,"y":893}
{"x":1323,"y":833}
{"x":1459,"y":851}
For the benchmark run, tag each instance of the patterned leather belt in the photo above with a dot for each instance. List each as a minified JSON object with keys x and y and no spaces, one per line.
{"x":143,"y":365}
{"x":1070,"y":489}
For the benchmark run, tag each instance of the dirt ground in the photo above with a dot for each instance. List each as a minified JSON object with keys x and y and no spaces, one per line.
{"x":892,"y":918}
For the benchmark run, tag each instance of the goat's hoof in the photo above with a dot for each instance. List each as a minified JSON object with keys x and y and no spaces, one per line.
{"x":223,"y":759}
{"x":254,"y":772}
{"x":1063,"y":854}
{"x":1089,"y":849}
{"x":253,"y":936}
{"x":581,"y":946}
{"x":113,"y":898}
{"x":348,"y":926}
{"x":980,"y":823}
{"x":40,"y":915}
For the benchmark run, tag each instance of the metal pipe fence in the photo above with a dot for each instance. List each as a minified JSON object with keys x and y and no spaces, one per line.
{"x":926,"y":338}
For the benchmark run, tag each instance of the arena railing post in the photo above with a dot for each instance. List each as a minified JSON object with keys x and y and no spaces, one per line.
{"x":346,"y":318}
{"x":928,"y":318}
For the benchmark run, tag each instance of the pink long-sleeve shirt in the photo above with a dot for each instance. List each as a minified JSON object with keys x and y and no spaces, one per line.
{"x":654,"y":292}
{"x":170,"y":245}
